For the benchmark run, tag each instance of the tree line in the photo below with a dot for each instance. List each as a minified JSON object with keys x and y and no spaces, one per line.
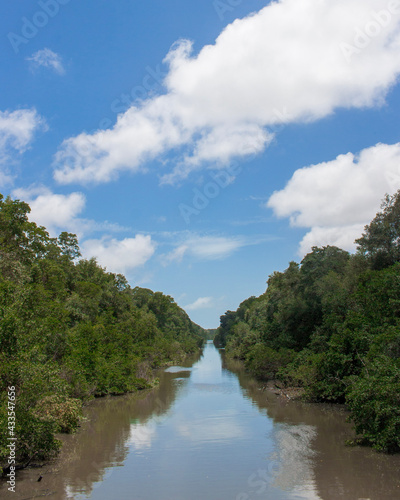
{"x":331,"y":324}
{"x":71,"y":331}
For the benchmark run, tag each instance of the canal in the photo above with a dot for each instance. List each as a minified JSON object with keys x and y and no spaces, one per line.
{"x":211,"y":433}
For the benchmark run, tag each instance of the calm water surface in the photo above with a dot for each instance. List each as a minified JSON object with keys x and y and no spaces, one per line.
{"x":208,"y":433}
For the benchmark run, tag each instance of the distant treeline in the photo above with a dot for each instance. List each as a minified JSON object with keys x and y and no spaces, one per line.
{"x":210,"y":333}
{"x":331,"y":324}
{"x":70,"y":331}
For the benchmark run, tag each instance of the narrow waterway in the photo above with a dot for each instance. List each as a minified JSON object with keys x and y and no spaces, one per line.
{"x":209,"y":433}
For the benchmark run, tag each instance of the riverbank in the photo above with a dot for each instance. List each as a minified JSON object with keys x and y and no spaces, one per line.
{"x":278,"y":388}
{"x":273,"y":386}
{"x":146,"y":371}
{"x":43,"y":478}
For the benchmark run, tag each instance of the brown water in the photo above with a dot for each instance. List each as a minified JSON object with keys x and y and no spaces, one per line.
{"x":208,"y":433}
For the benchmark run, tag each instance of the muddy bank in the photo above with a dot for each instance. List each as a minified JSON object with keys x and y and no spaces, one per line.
{"x":291,"y":393}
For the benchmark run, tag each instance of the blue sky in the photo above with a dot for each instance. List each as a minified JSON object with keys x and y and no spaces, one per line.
{"x":198,"y":147}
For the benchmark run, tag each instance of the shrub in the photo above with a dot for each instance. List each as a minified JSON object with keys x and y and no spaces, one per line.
{"x":63,"y":412}
{"x":374,"y":402}
{"x":301,"y":371}
{"x":264,"y":362}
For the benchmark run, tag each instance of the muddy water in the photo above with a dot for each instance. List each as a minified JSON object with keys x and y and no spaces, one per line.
{"x":209,"y":433}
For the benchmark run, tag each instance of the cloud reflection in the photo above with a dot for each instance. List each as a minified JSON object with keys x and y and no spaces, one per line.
{"x":141,"y":435}
{"x":221,"y":428}
{"x":296,"y":456}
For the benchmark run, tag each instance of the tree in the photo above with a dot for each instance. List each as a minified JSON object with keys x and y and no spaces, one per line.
{"x":380,"y":242}
{"x":69,"y":329}
{"x":374,"y":402}
{"x":320,"y":261}
{"x":68,"y":243}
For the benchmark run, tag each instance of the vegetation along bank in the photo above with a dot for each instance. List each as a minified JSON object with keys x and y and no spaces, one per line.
{"x":331,"y":324}
{"x":70,"y":331}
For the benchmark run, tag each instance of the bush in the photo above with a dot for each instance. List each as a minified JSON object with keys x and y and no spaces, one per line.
{"x":374,"y":402}
{"x":301,"y":371}
{"x":63,"y":412}
{"x":36,"y":437}
{"x":264,"y":362}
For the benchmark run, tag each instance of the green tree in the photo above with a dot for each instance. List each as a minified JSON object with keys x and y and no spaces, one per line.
{"x":380,"y":242}
{"x":69,"y":246}
{"x":374,"y":402}
{"x":69,"y":331}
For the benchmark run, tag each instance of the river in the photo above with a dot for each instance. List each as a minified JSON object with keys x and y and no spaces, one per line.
{"x":209,"y":433}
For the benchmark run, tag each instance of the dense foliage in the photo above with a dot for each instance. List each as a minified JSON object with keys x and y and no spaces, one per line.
{"x":70,"y":331}
{"x":332,"y":325}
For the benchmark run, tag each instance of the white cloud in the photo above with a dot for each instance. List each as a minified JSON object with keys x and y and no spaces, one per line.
{"x":211,"y":247}
{"x":337,"y":199}
{"x":59,"y":212}
{"x":340,"y":236}
{"x":200,"y":303}
{"x":204,"y":247}
{"x":120,"y":256}
{"x":17,"y":130}
{"x":287,"y":60}
{"x":48,"y":59}
{"x":219,"y":146}
{"x":56,"y":212}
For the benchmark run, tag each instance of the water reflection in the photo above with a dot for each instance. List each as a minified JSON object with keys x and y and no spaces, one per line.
{"x":331,"y":469}
{"x":210,"y":432}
